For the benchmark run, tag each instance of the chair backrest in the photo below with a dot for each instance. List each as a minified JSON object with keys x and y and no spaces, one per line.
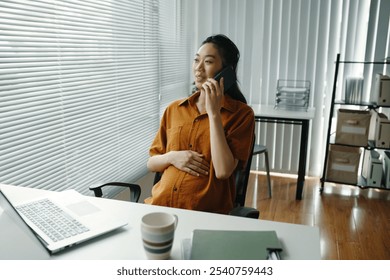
{"x":242,"y":176}
{"x":157,"y":177}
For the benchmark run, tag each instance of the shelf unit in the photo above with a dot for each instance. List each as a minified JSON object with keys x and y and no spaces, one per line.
{"x":361,"y":181}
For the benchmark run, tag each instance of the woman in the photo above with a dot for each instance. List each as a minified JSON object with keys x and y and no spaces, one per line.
{"x":204,"y":137}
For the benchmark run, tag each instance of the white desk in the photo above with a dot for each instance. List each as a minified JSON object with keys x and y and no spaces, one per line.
{"x":268,"y":113}
{"x":299,"y":241}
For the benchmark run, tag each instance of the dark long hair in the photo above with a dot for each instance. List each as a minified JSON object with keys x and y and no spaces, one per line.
{"x":230,"y":56}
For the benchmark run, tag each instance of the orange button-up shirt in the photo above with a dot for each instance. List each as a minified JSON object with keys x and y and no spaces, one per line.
{"x":184,"y":128}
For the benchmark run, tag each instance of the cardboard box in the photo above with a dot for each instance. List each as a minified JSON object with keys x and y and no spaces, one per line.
{"x":372,"y":168}
{"x":381,"y":95}
{"x":382,"y":131}
{"x":386,"y":169}
{"x":353,"y":127}
{"x":343,"y":164}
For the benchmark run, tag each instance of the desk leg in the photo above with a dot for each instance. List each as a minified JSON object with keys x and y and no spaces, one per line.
{"x":302,"y":159}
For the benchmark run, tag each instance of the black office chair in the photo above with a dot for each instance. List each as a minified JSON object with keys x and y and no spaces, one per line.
{"x":261,"y":149}
{"x":242,"y":176}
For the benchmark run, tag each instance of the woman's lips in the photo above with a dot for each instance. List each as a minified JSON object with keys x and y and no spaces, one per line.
{"x":199,"y":79}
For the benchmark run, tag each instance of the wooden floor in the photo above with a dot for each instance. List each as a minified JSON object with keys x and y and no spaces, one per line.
{"x":353,"y":223}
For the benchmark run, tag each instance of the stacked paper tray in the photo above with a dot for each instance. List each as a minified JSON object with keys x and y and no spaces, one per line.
{"x":292,"y":95}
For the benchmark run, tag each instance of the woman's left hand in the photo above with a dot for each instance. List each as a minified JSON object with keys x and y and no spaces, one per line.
{"x":214,"y":94}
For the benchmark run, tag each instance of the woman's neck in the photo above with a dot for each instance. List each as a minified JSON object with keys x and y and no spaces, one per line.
{"x":201,"y":103}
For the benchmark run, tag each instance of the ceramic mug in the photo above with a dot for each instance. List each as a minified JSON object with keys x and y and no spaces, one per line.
{"x":158,"y":230}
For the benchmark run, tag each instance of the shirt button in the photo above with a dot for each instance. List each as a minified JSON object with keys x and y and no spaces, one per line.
{"x":190,"y":145}
{"x":175,"y":189}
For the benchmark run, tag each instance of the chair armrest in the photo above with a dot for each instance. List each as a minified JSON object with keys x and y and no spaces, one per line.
{"x":247,"y":212}
{"x":135,"y":190}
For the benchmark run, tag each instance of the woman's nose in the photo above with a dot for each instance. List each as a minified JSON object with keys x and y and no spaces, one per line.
{"x":199,"y":66}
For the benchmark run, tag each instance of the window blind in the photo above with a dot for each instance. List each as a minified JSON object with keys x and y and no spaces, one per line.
{"x":78,"y":91}
{"x":174,"y":54}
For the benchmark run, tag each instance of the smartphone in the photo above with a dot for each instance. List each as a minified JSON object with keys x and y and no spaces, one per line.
{"x":229,"y":77}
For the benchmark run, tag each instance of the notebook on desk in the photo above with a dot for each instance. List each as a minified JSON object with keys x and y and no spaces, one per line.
{"x":82,"y":220}
{"x":234,"y":245}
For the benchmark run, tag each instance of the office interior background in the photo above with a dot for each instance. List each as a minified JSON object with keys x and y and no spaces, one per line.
{"x":84,"y":83}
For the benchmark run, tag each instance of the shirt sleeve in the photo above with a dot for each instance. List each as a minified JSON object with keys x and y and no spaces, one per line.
{"x":241,"y":134}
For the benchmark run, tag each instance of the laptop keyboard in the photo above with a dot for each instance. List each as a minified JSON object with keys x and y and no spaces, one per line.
{"x":52,"y":220}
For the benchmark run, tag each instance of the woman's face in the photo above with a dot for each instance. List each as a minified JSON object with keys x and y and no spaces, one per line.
{"x":207,"y":63}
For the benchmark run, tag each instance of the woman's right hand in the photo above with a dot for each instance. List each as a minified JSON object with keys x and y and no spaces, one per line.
{"x":191,"y":162}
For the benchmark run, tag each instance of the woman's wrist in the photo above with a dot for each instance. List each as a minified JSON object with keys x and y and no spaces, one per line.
{"x":169,"y":158}
{"x":215,"y":117}
{"x":159,"y":163}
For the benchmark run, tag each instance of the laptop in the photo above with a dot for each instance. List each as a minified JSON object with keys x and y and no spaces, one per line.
{"x":19,"y":226}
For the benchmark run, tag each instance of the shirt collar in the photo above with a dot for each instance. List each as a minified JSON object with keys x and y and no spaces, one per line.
{"x":228,"y":103}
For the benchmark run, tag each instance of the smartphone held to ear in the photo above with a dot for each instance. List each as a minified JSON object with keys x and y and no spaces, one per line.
{"x":229,"y":77}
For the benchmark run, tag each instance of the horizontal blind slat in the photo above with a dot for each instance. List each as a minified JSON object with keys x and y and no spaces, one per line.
{"x":76,"y":78}
{"x":80,"y":89}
